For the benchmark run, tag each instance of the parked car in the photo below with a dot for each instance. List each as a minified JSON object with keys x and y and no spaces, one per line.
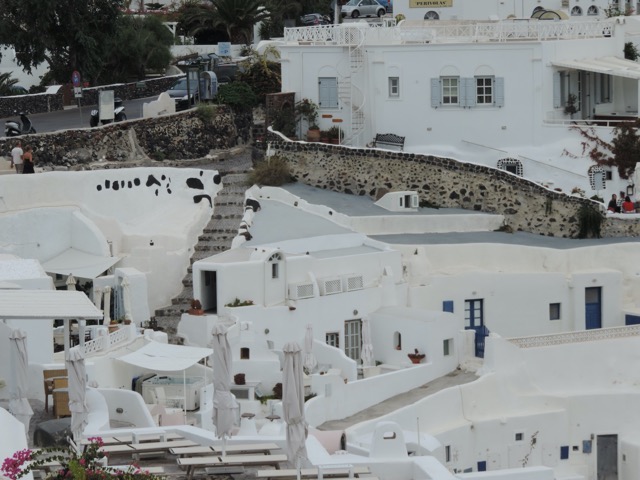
{"x":386,"y":4}
{"x":178,"y":91}
{"x":362,"y":8}
{"x":312,"y":19}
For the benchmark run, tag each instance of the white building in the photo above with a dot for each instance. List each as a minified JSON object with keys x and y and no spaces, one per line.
{"x":493,"y":93}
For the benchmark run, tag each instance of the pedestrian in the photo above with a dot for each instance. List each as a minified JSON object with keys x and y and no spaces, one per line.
{"x":27,"y":160}
{"x":16,"y":156}
{"x":613,"y":204}
{"x":628,"y":206}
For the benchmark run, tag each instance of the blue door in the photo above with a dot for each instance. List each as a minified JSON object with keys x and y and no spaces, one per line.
{"x":593,"y":307}
{"x":474,"y":320}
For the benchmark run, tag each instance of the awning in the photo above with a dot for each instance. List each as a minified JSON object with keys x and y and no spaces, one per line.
{"x":79,"y":263}
{"x":618,"y":67}
{"x":164,"y":357}
{"x":39,"y":304}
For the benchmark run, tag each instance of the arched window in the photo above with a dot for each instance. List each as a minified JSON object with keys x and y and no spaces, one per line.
{"x":593,"y":10}
{"x":275,"y":267}
{"x":576,"y":11}
{"x":512,"y":165}
{"x":397,"y":340}
{"x":431,"y":15}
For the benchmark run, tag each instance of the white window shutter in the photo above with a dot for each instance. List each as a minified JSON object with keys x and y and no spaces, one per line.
{"x":469,"y":89}
{"x":436,"y":93}
{"x":557,"y":103}
{"x":499,"y":92}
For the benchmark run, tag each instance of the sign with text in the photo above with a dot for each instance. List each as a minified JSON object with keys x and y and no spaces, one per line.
{"x":77,"y":92}
{"x":430,"y":3}
{"x":224,"y":49}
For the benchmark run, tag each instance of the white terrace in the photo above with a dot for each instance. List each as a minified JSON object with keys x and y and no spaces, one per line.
{"x":449,"y":32}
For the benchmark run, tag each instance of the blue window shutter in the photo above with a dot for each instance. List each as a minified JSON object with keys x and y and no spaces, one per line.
{"x":328,"y":92}
{"x":447,"y":306}
{"x":482,"y":466}
{"x":564,"y":453}
{"x":469,"y":92}
{"x":436,"y":93}
{"x":499,"y":91}
{"x":557,"y":102}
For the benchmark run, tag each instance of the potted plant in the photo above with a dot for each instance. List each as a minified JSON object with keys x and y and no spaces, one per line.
{"x":335,"y":135}
{"x":416,"y":357}
{"x":239,"y":379}
{"x":570,"y":107}
{"x":196,"y":307}
{"x":307,"y":110}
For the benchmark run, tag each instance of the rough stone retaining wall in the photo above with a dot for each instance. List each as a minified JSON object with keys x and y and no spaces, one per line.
{"x":444,"y":182}
{"x":177,"y":136}
{"x":36,"y":103}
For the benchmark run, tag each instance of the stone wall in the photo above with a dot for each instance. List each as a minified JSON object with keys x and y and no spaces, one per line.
{"x":178,"y":136}
{"x":444,"y":182}
{"x":36,"y":103}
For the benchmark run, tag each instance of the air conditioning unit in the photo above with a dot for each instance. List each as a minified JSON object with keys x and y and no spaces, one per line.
{"x":329,"y":286}
{"x":298,"y":291}
{"x":353,"y":282}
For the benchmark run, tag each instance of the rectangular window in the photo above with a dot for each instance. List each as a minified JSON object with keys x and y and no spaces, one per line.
{"x":447,"y":453}
{"x":484,"y":90}
{"x":274,"y":270}
{"x":352,"y":338}
{"x":473,"y":313}
{"x":333,"y":339}
{"x":447,"y":306}
{"x":394,"y":87}
{"x":447,"y":346}
{"x":450,"y":90}
{"x":519,"y":436}
{"x":328,"y":92}
{"x":554,"y":311}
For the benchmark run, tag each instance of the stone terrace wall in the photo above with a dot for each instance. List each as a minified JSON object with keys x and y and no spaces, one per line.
{"x":36,"y":103}
{"x":177,"y":136}
{"x":444,"y":182}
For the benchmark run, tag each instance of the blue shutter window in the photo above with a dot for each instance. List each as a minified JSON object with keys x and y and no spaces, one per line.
{"x":447,"y":306}
{"x":328,"y":92}
{"x":435,"y":92}
{"x":482,"y":466}
{"x":499,"y":86}
{"x":564,"y":453}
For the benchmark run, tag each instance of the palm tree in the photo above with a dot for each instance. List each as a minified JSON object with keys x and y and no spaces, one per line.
{"x":6,"y":82}
{"x":236,"y":17}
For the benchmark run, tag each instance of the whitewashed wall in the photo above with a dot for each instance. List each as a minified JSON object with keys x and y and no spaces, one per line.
{"x":475,"y":10}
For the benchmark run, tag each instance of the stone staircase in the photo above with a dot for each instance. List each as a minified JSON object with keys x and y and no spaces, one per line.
{"x":215,"y":238}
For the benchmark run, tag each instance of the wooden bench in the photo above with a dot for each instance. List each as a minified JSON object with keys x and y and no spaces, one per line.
{"x":389,"y":140}
{"x":341,"y":471}
{"x":192,"y":463}
{"x":146,"y":447}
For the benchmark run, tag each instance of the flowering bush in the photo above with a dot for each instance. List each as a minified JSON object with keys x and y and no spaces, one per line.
{"x":90,"y":464}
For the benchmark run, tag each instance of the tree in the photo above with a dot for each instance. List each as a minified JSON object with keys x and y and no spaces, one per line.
{"x":262,"y":73}
{"x":621,"y":152}
{"x":6,"y":82}
{"x":140,"y":44}
{"x":67,"y":34}
{"x":236,"y":17}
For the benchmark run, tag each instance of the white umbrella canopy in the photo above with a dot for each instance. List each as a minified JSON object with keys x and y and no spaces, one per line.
{"x":18,"y":403}
{"x":126,"y":298}
{"x":367,"y":347}
{"x":77,"y":391}
{"x":225,"y":406}
{"x":106,"y":291}
{"x":71,"y":282}
{"x":310,"y":361}
{"x":293,"y":404}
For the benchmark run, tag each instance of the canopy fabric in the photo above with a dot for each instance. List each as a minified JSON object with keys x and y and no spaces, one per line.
{"x":46,"y":304}
{"x":80,"y":264}
{"x":225,"y":406}
{"x":293,"y":405}
{"x":77,"y":391}
{"x":618,"y":67}
{"x":18,"y":401}
{"x":367,"y":346}
{"x":163,"y":357}
{"x":310,"y":361}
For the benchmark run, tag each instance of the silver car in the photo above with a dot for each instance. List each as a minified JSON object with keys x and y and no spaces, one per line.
{"x":364,"y":8}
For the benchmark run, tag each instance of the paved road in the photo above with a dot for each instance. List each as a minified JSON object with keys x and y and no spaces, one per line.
{"x":75,"y":117}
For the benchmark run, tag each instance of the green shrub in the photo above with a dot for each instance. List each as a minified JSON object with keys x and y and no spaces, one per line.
{"x":237,"y":95}
{"x":589,"y":221}
{"x":205,"y":112}
{"x":272,"y":172}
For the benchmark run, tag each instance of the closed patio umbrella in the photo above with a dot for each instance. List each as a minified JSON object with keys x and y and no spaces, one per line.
{"x":293,"y":405}
{"x":18,"y":402}
{"x":310,"y":361}
{"x":126,"y":298}
{"x":107,"y":305}
{"x":367,"y":347}
{"x":225,"y":406}
{"x":71,"y":282}
{"x":77,"y":391}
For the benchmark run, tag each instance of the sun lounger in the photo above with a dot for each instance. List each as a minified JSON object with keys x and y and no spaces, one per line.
{"x":148,"y":437}
{"x":146,"y":447}
{"x":256,"y":448}
{"x":337,"y":472}
{"x":192,"y":463}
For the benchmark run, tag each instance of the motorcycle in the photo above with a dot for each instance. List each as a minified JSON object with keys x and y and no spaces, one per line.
{"x":14,"y":128}
{"x":118,"y":114}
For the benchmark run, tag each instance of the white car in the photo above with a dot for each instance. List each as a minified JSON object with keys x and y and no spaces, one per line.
{"x":362,"y":8}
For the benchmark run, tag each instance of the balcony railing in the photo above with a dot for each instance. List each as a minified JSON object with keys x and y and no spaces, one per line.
{"x":576,"y":337}
{"x":507,"y":31}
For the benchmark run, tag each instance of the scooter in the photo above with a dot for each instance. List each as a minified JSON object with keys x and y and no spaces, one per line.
{"x":118,"y":114}
{"x":14,"y":128}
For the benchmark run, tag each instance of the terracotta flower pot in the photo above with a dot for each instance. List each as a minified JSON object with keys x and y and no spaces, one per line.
{"x":313,"y":134}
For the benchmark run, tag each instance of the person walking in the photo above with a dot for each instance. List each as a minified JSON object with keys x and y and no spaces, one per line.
{"x":27,"y":160}
{"x":16,"y":156}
